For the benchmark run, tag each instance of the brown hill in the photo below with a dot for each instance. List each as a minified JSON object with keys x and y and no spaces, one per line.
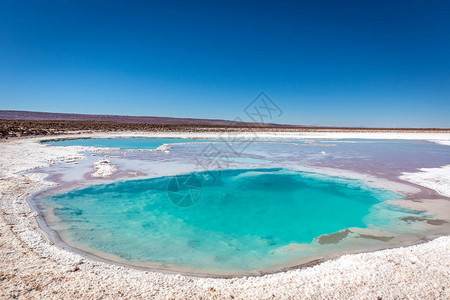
{"x":45,"y":116}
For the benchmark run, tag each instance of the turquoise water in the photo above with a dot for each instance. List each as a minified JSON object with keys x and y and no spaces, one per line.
{"x":124,"y":143}
{"x":237,"y":225}
{"x":237,"y":159}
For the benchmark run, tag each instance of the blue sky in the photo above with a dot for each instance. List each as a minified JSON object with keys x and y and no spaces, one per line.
{"x":338,"y":63}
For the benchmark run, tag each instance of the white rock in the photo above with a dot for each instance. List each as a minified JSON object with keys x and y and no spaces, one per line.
{"x":104,"y":168}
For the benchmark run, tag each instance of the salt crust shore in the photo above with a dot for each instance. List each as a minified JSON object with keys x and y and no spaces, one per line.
{"x":437,"y":179}
{"x":31,"y":267}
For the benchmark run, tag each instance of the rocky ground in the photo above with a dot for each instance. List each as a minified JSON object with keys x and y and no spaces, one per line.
{"x":18,"y":128}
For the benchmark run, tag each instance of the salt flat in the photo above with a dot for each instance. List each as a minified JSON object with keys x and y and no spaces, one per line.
{"x":32,"y":267}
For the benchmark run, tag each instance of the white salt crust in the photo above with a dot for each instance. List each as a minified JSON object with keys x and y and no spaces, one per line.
{"x":103,"y":168}
{"x":31,"y":267}
{"x":437,"y":179}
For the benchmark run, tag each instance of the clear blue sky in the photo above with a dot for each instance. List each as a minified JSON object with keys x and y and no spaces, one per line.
{"x":340,"y":63}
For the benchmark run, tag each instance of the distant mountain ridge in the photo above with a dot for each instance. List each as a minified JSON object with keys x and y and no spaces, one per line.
{"x":34,"y":115}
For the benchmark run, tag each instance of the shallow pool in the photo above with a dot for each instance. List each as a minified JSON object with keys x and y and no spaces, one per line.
{"x":123,"y":143}
{"x":221,"y":207}
{"x":241,"y":224}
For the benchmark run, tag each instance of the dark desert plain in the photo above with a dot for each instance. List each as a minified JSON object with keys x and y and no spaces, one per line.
{"x":25,"y":123}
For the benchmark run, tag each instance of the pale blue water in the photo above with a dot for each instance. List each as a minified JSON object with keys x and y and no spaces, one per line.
{"x":123,"y":143}
{"x":243,"y":160}
{"x":239,"y":223}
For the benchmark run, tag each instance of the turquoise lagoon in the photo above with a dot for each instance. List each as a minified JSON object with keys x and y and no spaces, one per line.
{"x":123,"y":143}
{"x":241,"y":221}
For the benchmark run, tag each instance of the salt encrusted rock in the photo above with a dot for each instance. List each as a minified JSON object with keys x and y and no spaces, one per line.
{"x":104,"y":168}
{"x":164,"y":148}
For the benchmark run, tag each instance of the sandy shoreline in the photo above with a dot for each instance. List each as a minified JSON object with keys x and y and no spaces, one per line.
{"x":33,"y":267}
